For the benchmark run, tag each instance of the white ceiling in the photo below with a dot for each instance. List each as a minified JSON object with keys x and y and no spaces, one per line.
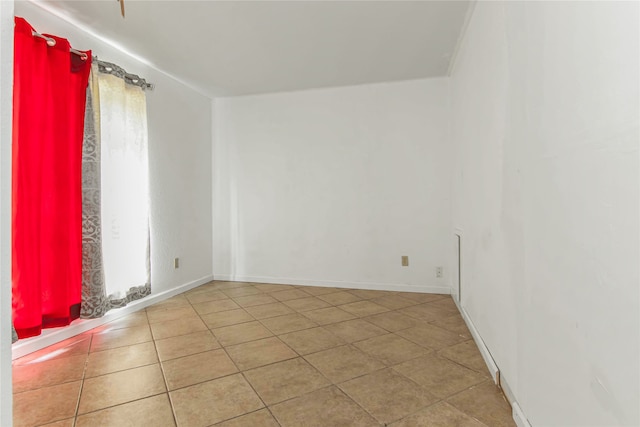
{"x":229,"y":48}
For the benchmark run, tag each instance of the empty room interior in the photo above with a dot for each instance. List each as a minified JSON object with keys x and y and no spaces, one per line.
{"x":319,"y":213}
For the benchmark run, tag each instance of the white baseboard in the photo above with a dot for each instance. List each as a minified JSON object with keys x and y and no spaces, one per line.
{"x":55,"y":335}
{"x":399,"y":287}
{"x":516,"y":412}
{"x":518,"y":415}
{"x":484,"y":351}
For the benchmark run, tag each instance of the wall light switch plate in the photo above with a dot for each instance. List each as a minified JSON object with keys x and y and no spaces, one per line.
{"x":439,"y":272}
{"x":405,"y":261}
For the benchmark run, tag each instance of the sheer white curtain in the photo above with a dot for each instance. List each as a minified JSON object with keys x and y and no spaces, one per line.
{"x":125,"y":186}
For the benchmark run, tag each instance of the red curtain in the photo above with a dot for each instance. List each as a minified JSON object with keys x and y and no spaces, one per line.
{"x":48,"y":119}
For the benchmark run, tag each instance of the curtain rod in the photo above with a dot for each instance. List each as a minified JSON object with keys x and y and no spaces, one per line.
{"x":103,"y":66}
{"x":111,"y":68}
{"x":52,"y":42}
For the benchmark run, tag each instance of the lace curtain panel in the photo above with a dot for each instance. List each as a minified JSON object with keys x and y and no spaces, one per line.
{"x":94,"y":298}
{"x":116,"y":266}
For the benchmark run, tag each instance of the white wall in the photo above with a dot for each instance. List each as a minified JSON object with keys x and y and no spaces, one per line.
{"x":545,"y":111}
{"x":179,"y":121}
{"x":333,"y":186}
{"x":6,"y":108}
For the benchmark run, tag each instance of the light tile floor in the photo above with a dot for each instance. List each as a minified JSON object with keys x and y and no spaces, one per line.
{"x":247,"y":354}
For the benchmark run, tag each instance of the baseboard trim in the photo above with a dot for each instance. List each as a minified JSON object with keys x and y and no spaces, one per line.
{"x":55,"y":335}
{"x":484,"y":351}
{"x":516,"y":412}
{"x":399,"y":287}
{"x":518,"y":415}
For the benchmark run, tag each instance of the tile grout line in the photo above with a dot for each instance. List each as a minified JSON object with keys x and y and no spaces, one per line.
{"x":245,"y":379}
{"x":460,"y":363}
{"x":463,"y":391}
{"x":121,"y":404}
{"x":331,"y":383}
{"x":166,"y":384}
{"x":260,"y":397}
{"x":84,"y":373}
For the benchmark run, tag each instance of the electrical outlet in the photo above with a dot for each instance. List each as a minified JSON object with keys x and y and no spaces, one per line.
{"x":405,"y":261}
{"x":176,"y":263}
{"x":439,"y":272}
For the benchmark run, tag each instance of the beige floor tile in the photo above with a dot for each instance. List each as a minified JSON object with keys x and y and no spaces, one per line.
{"x":339,"y":298}
{"x":174,"y":328}
{"x":121,"y":387}
{"x":285,"y":380}
{"x":226,"y":318}
{"x":387,"y":395}
{"x":363,"y":308}
{"x":153,"y":411}
{"x":240,"y":292}
{"x":205,"y":287}
{"x":440,"y":376}
{"x":173,"y":302}
{"x":326,"y":407}
{"x":446,"y":303}
{"x":35,"y":375}
{"x":311,"y":340}
{"x":45,"y":405}
{"x":453,"y":324}
{"x":439,"y":415}
{"x":230,"y":285}
{"x":319,"y":290}
{"x":214,"y":401}
{"x":124,"y":382}
{"x":197,"y":368}
{"x":486,"y":403}
{"x":421,"y":298}
{"x":265,"y":311}
{"x":69,"y":422}
{"x":391,"y":349}
{"x":343,"y":363}
{"x":204,"y":296}
{"x":251,"y":300}
{"x":74,"y":346}
{"x":355,"y":330}
{"x":259,"y":353}
{"x":430,"y":336}
{"x":121,"y":358}
{"x":306,"y":304}
{"x":325,"y":316}
{"x":393,"y":302}
{"x":139,"y":318}
{"x":368,"y":294}
{"x":289,"y":294}
{"x":267,"y":288}
{"x":120,"y":338}
{"x":289,"y":323}
{"x":185,"y":345}
{"x":243,"y":332}
{"x":427,"y":312}
{"x":467,"y":354}
{"x":158,"y":316}
{"x":261,"y":418}
{"x":393,"y":321}
{"x":215,"y":306}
